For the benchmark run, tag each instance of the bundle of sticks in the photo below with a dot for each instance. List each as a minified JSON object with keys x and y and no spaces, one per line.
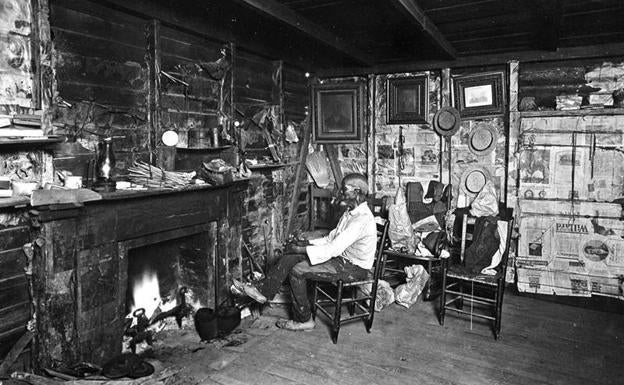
{"x":155,"y":177}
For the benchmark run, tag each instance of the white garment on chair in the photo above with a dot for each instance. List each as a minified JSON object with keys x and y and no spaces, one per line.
{"x":498,"y":256}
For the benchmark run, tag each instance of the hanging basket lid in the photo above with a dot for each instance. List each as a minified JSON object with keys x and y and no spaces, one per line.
{"x":482,"y":140}
{"x":473,"y":179}
{"x":446,"y":121}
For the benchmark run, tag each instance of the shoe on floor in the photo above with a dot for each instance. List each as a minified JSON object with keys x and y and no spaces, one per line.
{"x":247,"y":289}
{"x":289,"y":324}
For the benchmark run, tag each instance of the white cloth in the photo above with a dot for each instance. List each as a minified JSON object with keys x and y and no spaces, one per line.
{"x":354,"y":239}
{"x":498,"y":256}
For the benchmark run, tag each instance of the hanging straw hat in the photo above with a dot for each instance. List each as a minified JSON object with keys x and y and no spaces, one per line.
{"x":482,"y":140}
{"x":446,"y":121}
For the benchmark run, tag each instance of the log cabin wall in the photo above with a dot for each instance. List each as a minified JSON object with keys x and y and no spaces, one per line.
{"x":15,"y":300}
{"x":101,"y":75}
{"x":545,"y":81}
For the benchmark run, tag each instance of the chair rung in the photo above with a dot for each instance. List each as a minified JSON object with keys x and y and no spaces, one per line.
{"x":478,"y":315}
{"x":357,"y":283}
{"x":354,"y":317}
{"x":473,"y":280}
{"x":352,"y":300}
{"x":327,"y":314}
{"x":473,"y":298}
{"x":326,"y":295}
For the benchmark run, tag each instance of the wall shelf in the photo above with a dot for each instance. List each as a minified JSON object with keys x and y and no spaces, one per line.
{"x":203,"y":149}
{"x":586,"y":112}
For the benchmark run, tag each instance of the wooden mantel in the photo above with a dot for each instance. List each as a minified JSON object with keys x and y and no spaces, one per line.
{"x":81,"y":271}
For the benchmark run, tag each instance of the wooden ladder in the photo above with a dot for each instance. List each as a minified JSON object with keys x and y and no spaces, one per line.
{"x":295,"y":201}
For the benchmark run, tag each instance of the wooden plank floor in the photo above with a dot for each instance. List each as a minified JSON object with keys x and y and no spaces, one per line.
{"x":541,"y":343}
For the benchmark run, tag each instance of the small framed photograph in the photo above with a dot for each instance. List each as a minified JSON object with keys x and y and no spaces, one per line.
{"x":479,"y":95}
{"x":408,"y":100}
{"x":338,"y":112}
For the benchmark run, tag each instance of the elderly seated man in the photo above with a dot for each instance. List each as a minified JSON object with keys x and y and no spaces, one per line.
{"x":347,"y":253}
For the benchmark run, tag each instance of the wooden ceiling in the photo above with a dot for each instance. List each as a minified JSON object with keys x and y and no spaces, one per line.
{"x":366,"y":36}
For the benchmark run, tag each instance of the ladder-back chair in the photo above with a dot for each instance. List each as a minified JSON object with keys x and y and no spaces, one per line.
{"x":330,"y":297}
{"x":484,"y":293}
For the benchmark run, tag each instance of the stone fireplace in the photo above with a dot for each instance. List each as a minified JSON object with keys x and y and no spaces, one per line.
{"x":88,"y":252}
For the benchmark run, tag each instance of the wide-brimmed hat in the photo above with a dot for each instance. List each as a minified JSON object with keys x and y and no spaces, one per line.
{"x":482,"y":140}
{"x":473,"y":179}
{"x":446,"y":121}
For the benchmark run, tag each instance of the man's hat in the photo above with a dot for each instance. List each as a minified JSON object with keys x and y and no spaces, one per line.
{"x":446,"y":121}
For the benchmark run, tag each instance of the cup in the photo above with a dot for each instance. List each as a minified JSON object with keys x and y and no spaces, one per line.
{"x":73,"y":181}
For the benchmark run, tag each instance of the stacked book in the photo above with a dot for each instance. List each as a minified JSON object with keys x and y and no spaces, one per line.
{"x":569,"y":102}
{"x":20,"y":126}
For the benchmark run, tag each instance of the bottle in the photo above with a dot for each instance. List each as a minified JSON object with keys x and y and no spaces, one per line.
{"x":104,"y":166}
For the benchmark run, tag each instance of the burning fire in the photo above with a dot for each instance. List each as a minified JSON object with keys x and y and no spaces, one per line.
{"x":146,"y":293}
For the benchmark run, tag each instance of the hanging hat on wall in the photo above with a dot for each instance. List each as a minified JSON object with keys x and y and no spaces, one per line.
{"x":482,"y":140}
{"x":446,"y":121}
{"x":473,"y":179}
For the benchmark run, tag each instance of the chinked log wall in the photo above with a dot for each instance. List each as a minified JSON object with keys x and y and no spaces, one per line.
{"x":103,"y":74}
{"x":81,"y":274}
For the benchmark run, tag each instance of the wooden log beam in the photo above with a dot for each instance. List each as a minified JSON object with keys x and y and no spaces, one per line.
{"x":417,"y":15}
{"x":293,"y":19}
{"x":570,"y":53}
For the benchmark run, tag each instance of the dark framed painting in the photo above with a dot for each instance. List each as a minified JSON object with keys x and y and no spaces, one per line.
{"x":408,"y":100}
{"x":479,"y":95}
{"x":338,"y":112}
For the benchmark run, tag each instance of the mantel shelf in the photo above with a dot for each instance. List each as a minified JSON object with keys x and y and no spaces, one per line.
{"x":203,"y":149}
{"x":14,"y":202}
{"x":34,"y":141}
{"x":559,"y":113}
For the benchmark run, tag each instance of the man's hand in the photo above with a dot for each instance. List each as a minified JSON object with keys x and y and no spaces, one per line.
{"x":296,"y":247}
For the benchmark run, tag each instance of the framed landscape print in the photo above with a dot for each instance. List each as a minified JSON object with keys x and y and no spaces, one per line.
{"x":338,"y":112}
{"x":479,"y":95}
{"x":408,"y":100}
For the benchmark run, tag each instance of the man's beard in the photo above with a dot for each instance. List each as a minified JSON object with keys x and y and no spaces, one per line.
{"x":348,"y":203}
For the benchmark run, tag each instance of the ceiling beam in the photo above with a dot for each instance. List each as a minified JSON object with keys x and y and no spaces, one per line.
{"x":583,"y":52}
{"x":417,"y":15}
{"x":290,"y":17}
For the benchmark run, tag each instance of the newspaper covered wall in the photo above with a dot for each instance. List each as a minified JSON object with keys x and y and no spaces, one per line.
{"x":559,"y":151}
{"x":570,"y":254}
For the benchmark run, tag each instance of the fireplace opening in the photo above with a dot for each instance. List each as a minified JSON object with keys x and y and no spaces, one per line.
{"x":162,"y":274}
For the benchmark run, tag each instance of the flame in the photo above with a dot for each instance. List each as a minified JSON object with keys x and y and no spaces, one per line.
{"x":146,"y":293}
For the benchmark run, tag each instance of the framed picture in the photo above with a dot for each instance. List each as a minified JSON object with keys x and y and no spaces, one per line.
{"x":479,"y":94}
{"x":408,"y":100}
{"x":338,"y":112}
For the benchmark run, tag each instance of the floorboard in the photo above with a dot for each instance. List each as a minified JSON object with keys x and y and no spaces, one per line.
{"x":541,"y":343}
